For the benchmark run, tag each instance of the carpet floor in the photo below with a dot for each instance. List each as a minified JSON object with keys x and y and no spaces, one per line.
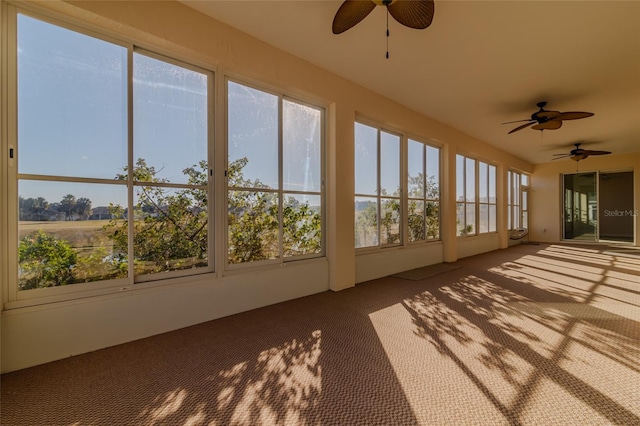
{"x":530,"y":335}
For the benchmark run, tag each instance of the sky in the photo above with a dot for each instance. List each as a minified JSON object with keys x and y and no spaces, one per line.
{"x":73,"y":119}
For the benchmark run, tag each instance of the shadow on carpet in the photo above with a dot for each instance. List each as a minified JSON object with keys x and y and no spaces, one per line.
{"x":427,"y":271}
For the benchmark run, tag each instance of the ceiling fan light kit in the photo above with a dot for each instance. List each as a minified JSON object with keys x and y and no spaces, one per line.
{"x":548,"y":120}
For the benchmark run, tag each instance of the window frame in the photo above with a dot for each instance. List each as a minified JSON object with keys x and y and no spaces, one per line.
{"x":378,"y":193}
{"x":404,"y":199}
{"x":15,"y":298}
{"x":518,"y":185}
{"x":425,"y":199}
{"x":477,"y":202}
{"x":281,"y":96}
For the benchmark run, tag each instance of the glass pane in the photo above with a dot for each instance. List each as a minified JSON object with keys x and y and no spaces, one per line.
{"x":459,"y":178}
{"x":252,"y":137}
{"x":170,"y":117}
{"x":416,"y":220}
{"x":509,"y":187}
{"x":366,"y":158}
{"x":492,"y":218}
{"x":389,"y":164}
{"x":432,"y":215}
{"x":390,"y":221}
{"x":460,"y":219}
{"x":483,"y":181}
{"x":483,"y":220}
{"x":66,"y":233}
{"x":525,"y":219}
{"x":301,"y":222}
{"x":415,"y":164}
{"x":492,"y":184}
{"x":580,"y":202}
{"x":525,"y":200}
{"x":72,"y":102}
{"x":525,"y":180}
{"x":253,"y":226}
{"x":170,"y":229}
{"x":470,"y":178}
{"x":470,"y":228}
{"x":433,"y":173}
{"x":301,"y":152}
{"x":366,"y":222}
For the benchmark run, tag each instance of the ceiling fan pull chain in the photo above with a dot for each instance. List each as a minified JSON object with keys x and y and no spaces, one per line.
{"x":387,"y":32}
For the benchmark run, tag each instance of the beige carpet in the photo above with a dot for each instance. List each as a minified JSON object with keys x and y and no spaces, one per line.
{"x":427,"y":271}
{"x":531,"y":335}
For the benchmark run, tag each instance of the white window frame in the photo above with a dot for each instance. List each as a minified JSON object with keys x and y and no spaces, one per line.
{"x":378,"y":196}
{"x":281,"y":192}
{"x":476,"y":202}
{"x":518,"y":184}
{"x":12,"y":296}
{"x":425,"y":199}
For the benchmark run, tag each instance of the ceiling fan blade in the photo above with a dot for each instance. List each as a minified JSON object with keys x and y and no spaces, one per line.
{"x":521,"y":127}
{"x":350,"y":13}
{"x":416,"y":14}
{"x":548,"y":125}
{"x":574,"y":115}
{"x":561,"y":156}
{"x":592,"y":152}
{"x":516,"y":121}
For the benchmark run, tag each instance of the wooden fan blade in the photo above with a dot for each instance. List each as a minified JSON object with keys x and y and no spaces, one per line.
{"x":521,"y":127}
{"x":350,"y":13}
{"x":517,"y":121}
{"x":574,"y":115}
{"x":416,"y":14}
{"x":592,"y":152}
{"x":548,"y":125}
{"x":561,"y":156}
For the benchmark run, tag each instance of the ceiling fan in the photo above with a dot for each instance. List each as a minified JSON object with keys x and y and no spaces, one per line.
{"x":416,"y":14}
{"x":548,"y":120}
{"x":578,"y":153}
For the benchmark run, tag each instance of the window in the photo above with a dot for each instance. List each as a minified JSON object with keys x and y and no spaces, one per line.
{"x":476,"y":197}
{"x":377,"y":187}
{"x":517,"y":200}
{"x":274,"y":177}
{"x":113,"y":184}
{"x":486,"y":198}
{"x":423,"y":191}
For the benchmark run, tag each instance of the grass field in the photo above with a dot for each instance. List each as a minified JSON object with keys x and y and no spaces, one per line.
{"x":79,"y":234}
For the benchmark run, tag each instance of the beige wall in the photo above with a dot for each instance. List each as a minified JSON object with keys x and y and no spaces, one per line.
{"x":40,"y":334}
{"x":546,"y":198}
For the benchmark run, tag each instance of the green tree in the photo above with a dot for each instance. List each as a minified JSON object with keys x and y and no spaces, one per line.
{"x":45,"y":261}
{"x":32,"y":208}
{"x":169,"y":226}
{"x":68,"y":205}
{"x":82,"y":208}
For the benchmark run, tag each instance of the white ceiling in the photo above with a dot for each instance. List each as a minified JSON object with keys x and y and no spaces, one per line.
{"x":479,"y":64}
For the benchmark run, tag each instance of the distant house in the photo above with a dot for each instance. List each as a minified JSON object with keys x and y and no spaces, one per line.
{"x":100,"y":213}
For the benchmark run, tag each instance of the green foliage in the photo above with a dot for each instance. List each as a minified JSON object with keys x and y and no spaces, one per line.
{"x":169,"y":227}
{"x":45,"y":261}
{"x":253,"y":225}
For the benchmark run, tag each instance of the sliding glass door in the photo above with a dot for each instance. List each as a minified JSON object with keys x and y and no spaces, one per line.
{"x":580,"y":207}
{"x":598,"y":206}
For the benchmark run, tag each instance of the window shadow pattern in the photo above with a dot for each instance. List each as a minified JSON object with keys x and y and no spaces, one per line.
{"x":530,"y":335}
